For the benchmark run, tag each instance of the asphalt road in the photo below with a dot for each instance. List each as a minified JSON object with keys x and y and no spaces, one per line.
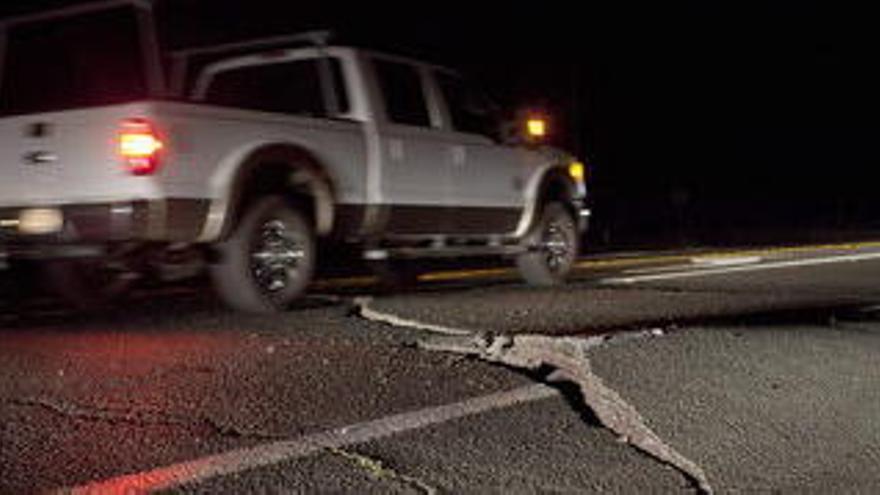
{"x":672,"y":372}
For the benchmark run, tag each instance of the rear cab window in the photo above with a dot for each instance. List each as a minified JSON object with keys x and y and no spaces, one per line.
{"x":309,"y":87}
{"x":86,"y":60}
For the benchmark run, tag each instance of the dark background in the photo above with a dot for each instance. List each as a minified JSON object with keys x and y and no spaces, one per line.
{"x":726,"y":123}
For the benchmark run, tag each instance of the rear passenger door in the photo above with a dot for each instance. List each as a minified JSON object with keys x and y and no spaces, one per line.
{"x":416,"y":180}
{"x":488,"y":177}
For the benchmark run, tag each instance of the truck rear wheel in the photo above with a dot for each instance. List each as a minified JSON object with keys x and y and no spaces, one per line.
{"x":552,"y":247}
{"x":268,"y":260}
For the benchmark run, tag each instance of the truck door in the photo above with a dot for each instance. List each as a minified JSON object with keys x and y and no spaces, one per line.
{"x":487,"y":177}
{"x":415,"y":181}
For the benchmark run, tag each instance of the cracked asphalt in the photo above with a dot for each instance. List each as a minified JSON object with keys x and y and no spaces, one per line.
{"x":764,"y":380}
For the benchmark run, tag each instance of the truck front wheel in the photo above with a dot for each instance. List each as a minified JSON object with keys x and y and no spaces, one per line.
{"x":268,"y":260}
{"x":552,"y":247}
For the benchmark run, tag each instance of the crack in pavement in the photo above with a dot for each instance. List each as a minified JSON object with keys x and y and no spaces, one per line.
{"x":378,"y":470}
{"x":362,"y":305}
{"x":138,"y":418}
{"x":568,"y":358}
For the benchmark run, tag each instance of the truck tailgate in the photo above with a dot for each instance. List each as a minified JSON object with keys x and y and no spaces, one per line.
{"x":68,"y":157}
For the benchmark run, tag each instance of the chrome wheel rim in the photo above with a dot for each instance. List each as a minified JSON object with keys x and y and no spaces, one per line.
{"x":556,"y":245}
{"x":277,"y":256}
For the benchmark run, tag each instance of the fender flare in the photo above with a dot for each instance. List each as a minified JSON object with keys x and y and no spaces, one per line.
{"x":553,"y":181}
{"x":229,"y":185}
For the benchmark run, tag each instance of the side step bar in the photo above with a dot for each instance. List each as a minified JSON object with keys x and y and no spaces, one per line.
{"x":441,"y":252}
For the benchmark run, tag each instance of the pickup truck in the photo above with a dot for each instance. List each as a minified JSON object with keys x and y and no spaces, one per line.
{"x":119,"y":160}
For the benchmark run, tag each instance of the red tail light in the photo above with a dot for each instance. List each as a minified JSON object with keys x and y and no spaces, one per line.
{"x":139,"y":146}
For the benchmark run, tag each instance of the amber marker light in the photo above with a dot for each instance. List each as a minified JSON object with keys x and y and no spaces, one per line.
{"x":536,"y":127}
{"x":577,"y":171}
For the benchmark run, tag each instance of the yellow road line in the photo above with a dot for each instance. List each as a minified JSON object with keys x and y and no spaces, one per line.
{"x":623,"y":261}
{"x":446,"y":276}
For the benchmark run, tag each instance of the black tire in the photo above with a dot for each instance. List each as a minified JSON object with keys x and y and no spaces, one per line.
{"x":268,"y":260}
{"x":89,"y":283}
{"x":552,"y":247}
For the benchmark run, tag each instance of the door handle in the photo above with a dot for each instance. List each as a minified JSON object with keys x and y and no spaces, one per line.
{"x":459,"y":156}
{"x":395,"y":149}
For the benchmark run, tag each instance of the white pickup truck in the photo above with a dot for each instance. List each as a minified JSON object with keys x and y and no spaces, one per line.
{"x":118,"y":160}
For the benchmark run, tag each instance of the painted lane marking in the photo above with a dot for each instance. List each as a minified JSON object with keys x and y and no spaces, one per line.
{"x":615,"y":261}
{"x":744,"y":268}
{"x":696,"y":263}
{"x":237,"y":461}
{"x":725,"y":260}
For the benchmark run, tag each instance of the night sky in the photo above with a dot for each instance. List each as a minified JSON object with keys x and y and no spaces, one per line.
{"x":703,"y":122}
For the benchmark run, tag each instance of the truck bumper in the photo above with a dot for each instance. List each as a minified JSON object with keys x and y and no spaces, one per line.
{"x":583,"y":219}
{"x":581,"y":208}
{"x":83,"y":229}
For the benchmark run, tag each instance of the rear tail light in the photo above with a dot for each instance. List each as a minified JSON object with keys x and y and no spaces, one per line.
{"x":139,"y":147}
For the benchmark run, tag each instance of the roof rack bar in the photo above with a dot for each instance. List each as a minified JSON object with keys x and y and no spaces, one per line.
{"x":180,"y":59}
{"x":74,"y":10}
{"x":318,"y":38}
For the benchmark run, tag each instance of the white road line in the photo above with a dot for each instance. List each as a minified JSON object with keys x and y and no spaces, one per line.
{"x":237,"y":461}
{"x":697,"y":263}
{"x":658,"y":269}
{"x":725,"y":260}
{"x":745,"y":268}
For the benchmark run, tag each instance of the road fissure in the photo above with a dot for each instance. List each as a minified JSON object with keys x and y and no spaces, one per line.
{"x":567,"y":356}
{"x":363,"y":309}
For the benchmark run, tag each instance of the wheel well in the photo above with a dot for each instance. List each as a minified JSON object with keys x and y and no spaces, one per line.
{"x":288,"y":172}
{"x":556,"y":187}
{"x":274,"y":179}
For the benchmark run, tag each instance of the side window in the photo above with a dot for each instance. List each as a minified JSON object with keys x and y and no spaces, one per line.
{"x":286,"y":87}
{"x":404,"y":95}
{"x":471,"y":111}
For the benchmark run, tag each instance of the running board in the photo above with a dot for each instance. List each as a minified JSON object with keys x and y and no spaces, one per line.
{"x":441,"y":252}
